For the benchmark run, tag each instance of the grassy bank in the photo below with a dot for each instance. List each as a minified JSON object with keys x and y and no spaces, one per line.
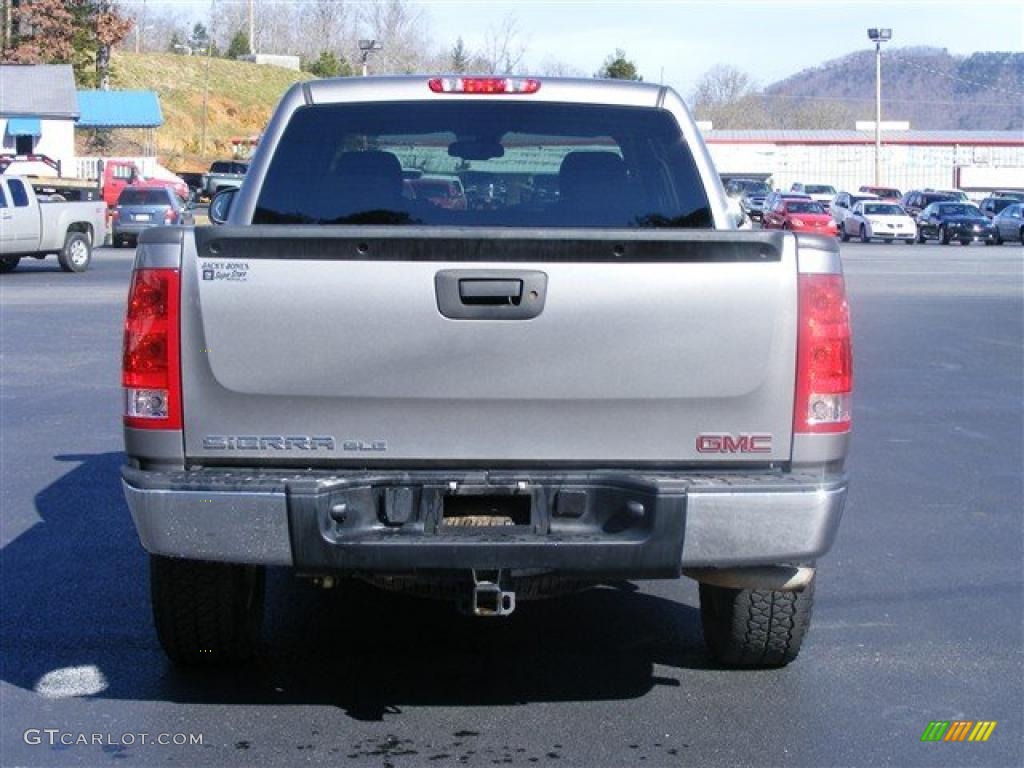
{"x":240,"y":100}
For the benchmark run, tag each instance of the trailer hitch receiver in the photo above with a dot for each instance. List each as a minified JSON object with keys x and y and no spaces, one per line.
{"x":487,"y":595}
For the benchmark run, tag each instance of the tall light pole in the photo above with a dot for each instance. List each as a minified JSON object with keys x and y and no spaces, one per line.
{"x":252,"y":30}
{"x":206,"y":92}
{"x":206,"y":78}
{"x":878,"y":36}
{"x":368,"y":47}
{"x":140,"y":26}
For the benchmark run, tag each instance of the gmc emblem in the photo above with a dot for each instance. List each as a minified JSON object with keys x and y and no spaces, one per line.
{"x":721,"y":442}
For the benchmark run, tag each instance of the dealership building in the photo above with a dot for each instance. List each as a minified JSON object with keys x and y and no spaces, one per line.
{"x":975,"y":161}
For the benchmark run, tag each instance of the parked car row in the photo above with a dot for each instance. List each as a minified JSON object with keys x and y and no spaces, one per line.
{"x":884,"y":213}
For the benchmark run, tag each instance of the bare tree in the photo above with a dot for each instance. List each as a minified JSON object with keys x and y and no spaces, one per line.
{"x":154,"y":25}
{"x":812,"y":114}
{"x":504,"y":50}
{"x":722,"y":84}
{"x":277,"y":27}
{"x":330,"y":25}
{"x":729,"y":98}
{"x":402,"y":29}
{"x":552,"y":67}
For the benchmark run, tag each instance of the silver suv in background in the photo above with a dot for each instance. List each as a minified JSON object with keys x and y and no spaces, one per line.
{"x":751,"y":194}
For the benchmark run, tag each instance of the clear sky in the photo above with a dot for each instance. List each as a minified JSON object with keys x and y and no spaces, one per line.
{"x":767,"y":39}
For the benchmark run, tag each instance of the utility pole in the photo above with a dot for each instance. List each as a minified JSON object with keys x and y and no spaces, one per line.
{"x":140,"y":22}
{"x":206,"y":78}
{"x":206,"y":93}
{"x":252,"y":30}
{"x":878,"y":36}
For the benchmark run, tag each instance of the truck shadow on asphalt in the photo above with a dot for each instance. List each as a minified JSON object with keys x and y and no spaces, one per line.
{"x":75,"y":596}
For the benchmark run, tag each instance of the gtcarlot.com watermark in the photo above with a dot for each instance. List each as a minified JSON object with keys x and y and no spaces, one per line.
{"x":55,"y":737}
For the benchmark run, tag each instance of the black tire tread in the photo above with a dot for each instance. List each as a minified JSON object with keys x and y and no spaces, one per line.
{"x":206,"y":613}
{"x":755,"y":627}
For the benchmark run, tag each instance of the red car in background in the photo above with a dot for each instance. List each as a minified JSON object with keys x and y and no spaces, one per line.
{"x":440,"y":191}
{"x":800,"y":216}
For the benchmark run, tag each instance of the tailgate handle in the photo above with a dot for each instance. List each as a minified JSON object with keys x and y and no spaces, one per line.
{"x":490,"y":292}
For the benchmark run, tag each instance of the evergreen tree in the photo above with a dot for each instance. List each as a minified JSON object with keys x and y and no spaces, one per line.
{"x":239,"y":45}
{"x":618,"y":67}
{"x":459,"y":58}
{"x":329,"y":65}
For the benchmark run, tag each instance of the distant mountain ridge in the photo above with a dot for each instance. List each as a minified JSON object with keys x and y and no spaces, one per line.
{"x":930,"y":87}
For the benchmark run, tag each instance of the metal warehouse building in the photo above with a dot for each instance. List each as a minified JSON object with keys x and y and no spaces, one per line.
{"x":972,"y":160}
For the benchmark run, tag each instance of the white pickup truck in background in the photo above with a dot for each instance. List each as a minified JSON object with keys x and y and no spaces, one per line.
{"x":31,"y":226}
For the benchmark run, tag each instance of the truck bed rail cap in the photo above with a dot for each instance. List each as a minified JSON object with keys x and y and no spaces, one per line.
{"x":818,"y":255}
{"x":160,"y":248}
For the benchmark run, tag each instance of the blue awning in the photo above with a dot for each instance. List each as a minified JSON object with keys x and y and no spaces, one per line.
{"x":119,"y":109}
{"x":24,"y":126}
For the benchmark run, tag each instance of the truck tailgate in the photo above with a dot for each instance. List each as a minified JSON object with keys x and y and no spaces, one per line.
{"x":331,"y":346}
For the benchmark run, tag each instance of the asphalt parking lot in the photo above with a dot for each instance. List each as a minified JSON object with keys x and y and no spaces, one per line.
{"x":919,"y":614}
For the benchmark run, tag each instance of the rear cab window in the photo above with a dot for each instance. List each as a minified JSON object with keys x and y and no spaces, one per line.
{"x":143,"y":197}
{"x":517,"y":165}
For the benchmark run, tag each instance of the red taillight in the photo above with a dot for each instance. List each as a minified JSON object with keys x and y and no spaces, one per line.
{"x":115,"y":215}
{"x":150,"y":368}
{"x":484,"y":85}
{"x":824,"y":362}
{"x":170,"y":215}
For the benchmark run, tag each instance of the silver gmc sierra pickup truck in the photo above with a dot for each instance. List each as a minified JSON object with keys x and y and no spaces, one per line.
{"x":588,"y":374}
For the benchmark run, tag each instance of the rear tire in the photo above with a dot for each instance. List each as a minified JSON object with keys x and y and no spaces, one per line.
{"x":909,"y":241}
{"x":943,"y":235}
{"x":921,"y":239}
{"x":864,"y":234}
{"x":754,"y":628}
{"x":76,"y":253}
{"x":9,"y":263}
{"x":843,"y":234}
{"x":206,"y":613}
